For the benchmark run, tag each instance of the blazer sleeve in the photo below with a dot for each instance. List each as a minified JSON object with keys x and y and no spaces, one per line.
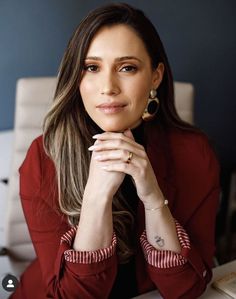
{"x":197,"y":201}
{"x":63,"y":276}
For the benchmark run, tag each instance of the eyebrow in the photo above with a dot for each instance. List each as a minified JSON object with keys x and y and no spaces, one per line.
{"x":119,"y":59}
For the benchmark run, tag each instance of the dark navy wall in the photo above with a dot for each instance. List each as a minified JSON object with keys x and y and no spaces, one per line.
{"x":199,"y":37}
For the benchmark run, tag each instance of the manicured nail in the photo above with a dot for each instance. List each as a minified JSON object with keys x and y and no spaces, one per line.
{"x":92,"y":147}
{"x":96,"y":136}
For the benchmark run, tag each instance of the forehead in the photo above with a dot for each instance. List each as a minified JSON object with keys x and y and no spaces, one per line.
{"x":117,"y":40}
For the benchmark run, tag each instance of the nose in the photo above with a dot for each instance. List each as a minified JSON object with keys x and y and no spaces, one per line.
{"x":109,"y":84}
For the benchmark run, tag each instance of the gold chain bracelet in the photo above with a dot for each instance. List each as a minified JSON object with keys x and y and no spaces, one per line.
{"x":165,"y":203}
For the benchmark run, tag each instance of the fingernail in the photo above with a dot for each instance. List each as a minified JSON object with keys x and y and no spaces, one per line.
{"x":96,"y":136}
{"x":92,"y":147}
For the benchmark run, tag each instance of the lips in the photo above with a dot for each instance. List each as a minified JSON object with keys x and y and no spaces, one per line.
{"x":111,"y":107}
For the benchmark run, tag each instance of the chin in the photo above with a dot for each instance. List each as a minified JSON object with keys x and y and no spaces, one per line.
{"x":118,"y":125}
{"x":113,"y":127}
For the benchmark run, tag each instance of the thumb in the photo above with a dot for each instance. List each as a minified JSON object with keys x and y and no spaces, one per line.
{"x":129,"y":134}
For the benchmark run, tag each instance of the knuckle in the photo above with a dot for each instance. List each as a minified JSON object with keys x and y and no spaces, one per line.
{"x":145,"y":164}
{"x":142,"y":172}
{"x":119,"y":142}
{"x":125,"y":166}
{"x":143,"y":153}
{"x":142,"y":147}
{"x":125,"y":153}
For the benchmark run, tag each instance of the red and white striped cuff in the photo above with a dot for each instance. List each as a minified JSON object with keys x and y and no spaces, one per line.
{"x":165,"y":258}
{"x":86,"y":257}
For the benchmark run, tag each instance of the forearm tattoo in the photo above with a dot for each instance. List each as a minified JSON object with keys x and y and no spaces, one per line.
{"x":160,"y":242}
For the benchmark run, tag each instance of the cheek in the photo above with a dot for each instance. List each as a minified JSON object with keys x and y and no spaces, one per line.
{"x":87,"y":91}
{"x":85,"y":87}
{"x":140,"y":95}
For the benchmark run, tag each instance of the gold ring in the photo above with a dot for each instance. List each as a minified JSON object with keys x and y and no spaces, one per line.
{"x":130,"y":157}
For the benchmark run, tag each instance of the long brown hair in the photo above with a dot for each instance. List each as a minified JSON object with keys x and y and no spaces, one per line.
{"x":68,"y":128}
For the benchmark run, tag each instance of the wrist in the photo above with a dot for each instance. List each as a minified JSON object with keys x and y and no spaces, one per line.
{"x":96,"y":199}
{"x":156,"y":207}
{"x":153,"y":200}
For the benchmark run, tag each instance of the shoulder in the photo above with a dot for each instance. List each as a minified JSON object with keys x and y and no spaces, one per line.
{"x":181,"y":151}
{"x":192,"y":148}
{"x":196,"y":173}
{"x":180,"y":138}
{"x":36,"y":169}
{"x":34,"y":155}
{"x":196,"y":166}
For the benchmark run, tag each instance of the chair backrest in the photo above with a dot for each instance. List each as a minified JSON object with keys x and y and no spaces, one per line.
{"x":33,"y":97}
{"x":184,"y":100}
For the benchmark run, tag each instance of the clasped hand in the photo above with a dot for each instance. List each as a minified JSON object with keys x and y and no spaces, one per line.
{"x":109,"y":165}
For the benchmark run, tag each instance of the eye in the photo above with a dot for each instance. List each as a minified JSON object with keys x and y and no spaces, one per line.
{"x":129,"y":69}
{"x":91,"y":68}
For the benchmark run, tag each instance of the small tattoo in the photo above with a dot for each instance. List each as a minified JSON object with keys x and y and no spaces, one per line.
{"x":160,"y":242}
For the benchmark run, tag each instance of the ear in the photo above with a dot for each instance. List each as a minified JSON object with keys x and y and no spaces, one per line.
{"x":158,"y":75}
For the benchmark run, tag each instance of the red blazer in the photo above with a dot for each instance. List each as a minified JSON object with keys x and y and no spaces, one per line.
{"x":188,"y":174}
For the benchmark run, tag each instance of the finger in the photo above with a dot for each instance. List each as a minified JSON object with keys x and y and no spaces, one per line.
{"x":118,"y":136}
{"x":129,"y":134}
{"x":119,"y":167}
{"x":114,"y":155}
{"x":122,"y":167}
{"x":117,"y":144}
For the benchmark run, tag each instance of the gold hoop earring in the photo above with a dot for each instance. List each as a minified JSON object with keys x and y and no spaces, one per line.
{"x":152,"y":107}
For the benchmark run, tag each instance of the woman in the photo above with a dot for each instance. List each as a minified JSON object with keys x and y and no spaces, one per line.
{"x":119,"y":194}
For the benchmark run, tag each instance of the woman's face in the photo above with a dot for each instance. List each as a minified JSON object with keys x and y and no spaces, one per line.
{"x":117,"y":78}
